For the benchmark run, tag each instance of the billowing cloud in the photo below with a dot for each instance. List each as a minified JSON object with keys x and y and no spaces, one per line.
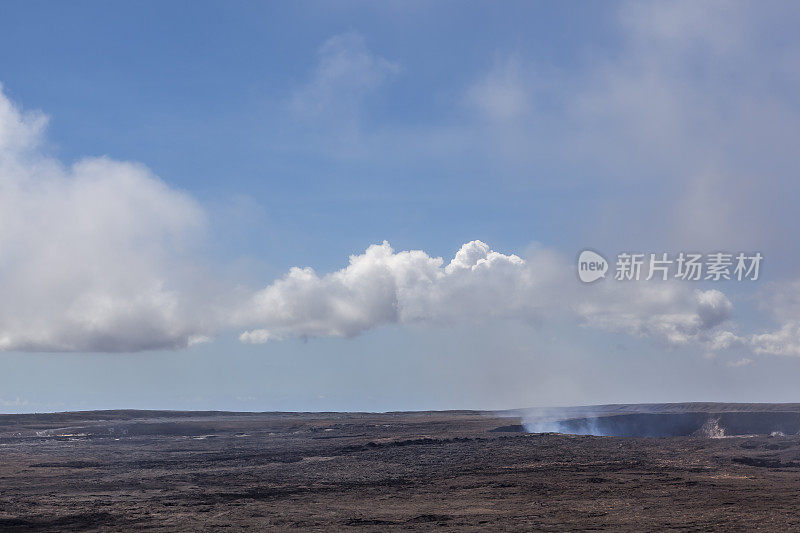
{"x":90,"y":254}
{"x":381,"y":287}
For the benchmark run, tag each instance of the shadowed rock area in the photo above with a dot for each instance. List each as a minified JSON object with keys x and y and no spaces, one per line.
{"x":462,"y":470}
{"x":663,"y":420}
{"x":680,"y":425}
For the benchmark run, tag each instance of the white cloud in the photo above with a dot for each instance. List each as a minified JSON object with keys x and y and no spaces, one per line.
{"x":91,"y":255}
{"x":784,"y":341}
{"x":257,"y":336}
{"x":19,"y":132}
{"x":782,"y":301}
{"x":744,"y":361}
{"x":382,"y":287}
{"x":670,"y":312}
{"x":724,"y":340}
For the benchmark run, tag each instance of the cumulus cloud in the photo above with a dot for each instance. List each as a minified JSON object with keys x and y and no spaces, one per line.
{"x":381,"y":287}
{"x":90,"y":254}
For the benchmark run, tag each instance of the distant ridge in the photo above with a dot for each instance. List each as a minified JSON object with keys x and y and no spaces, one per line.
{"x":581,"y":410}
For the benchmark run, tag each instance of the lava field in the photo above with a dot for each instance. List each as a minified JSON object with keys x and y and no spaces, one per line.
{"x":465,"y":470}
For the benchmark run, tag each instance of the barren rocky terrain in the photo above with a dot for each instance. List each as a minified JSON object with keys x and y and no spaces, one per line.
{"x":124,"y":470}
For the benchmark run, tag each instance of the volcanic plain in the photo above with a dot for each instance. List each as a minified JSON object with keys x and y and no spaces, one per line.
{"x":697,"y":467}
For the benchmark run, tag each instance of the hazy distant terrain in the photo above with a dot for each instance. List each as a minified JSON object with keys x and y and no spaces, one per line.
{"x":113,"y":470}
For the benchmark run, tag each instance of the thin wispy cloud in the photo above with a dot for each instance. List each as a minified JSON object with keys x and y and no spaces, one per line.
{"x":330,"y":103}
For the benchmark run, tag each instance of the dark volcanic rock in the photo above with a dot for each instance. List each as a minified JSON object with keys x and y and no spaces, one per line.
{"x":398,"y":471}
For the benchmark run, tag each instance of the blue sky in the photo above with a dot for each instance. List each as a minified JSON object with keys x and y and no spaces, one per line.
{"x":200,"y":95}
{"x":165,"y":165}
